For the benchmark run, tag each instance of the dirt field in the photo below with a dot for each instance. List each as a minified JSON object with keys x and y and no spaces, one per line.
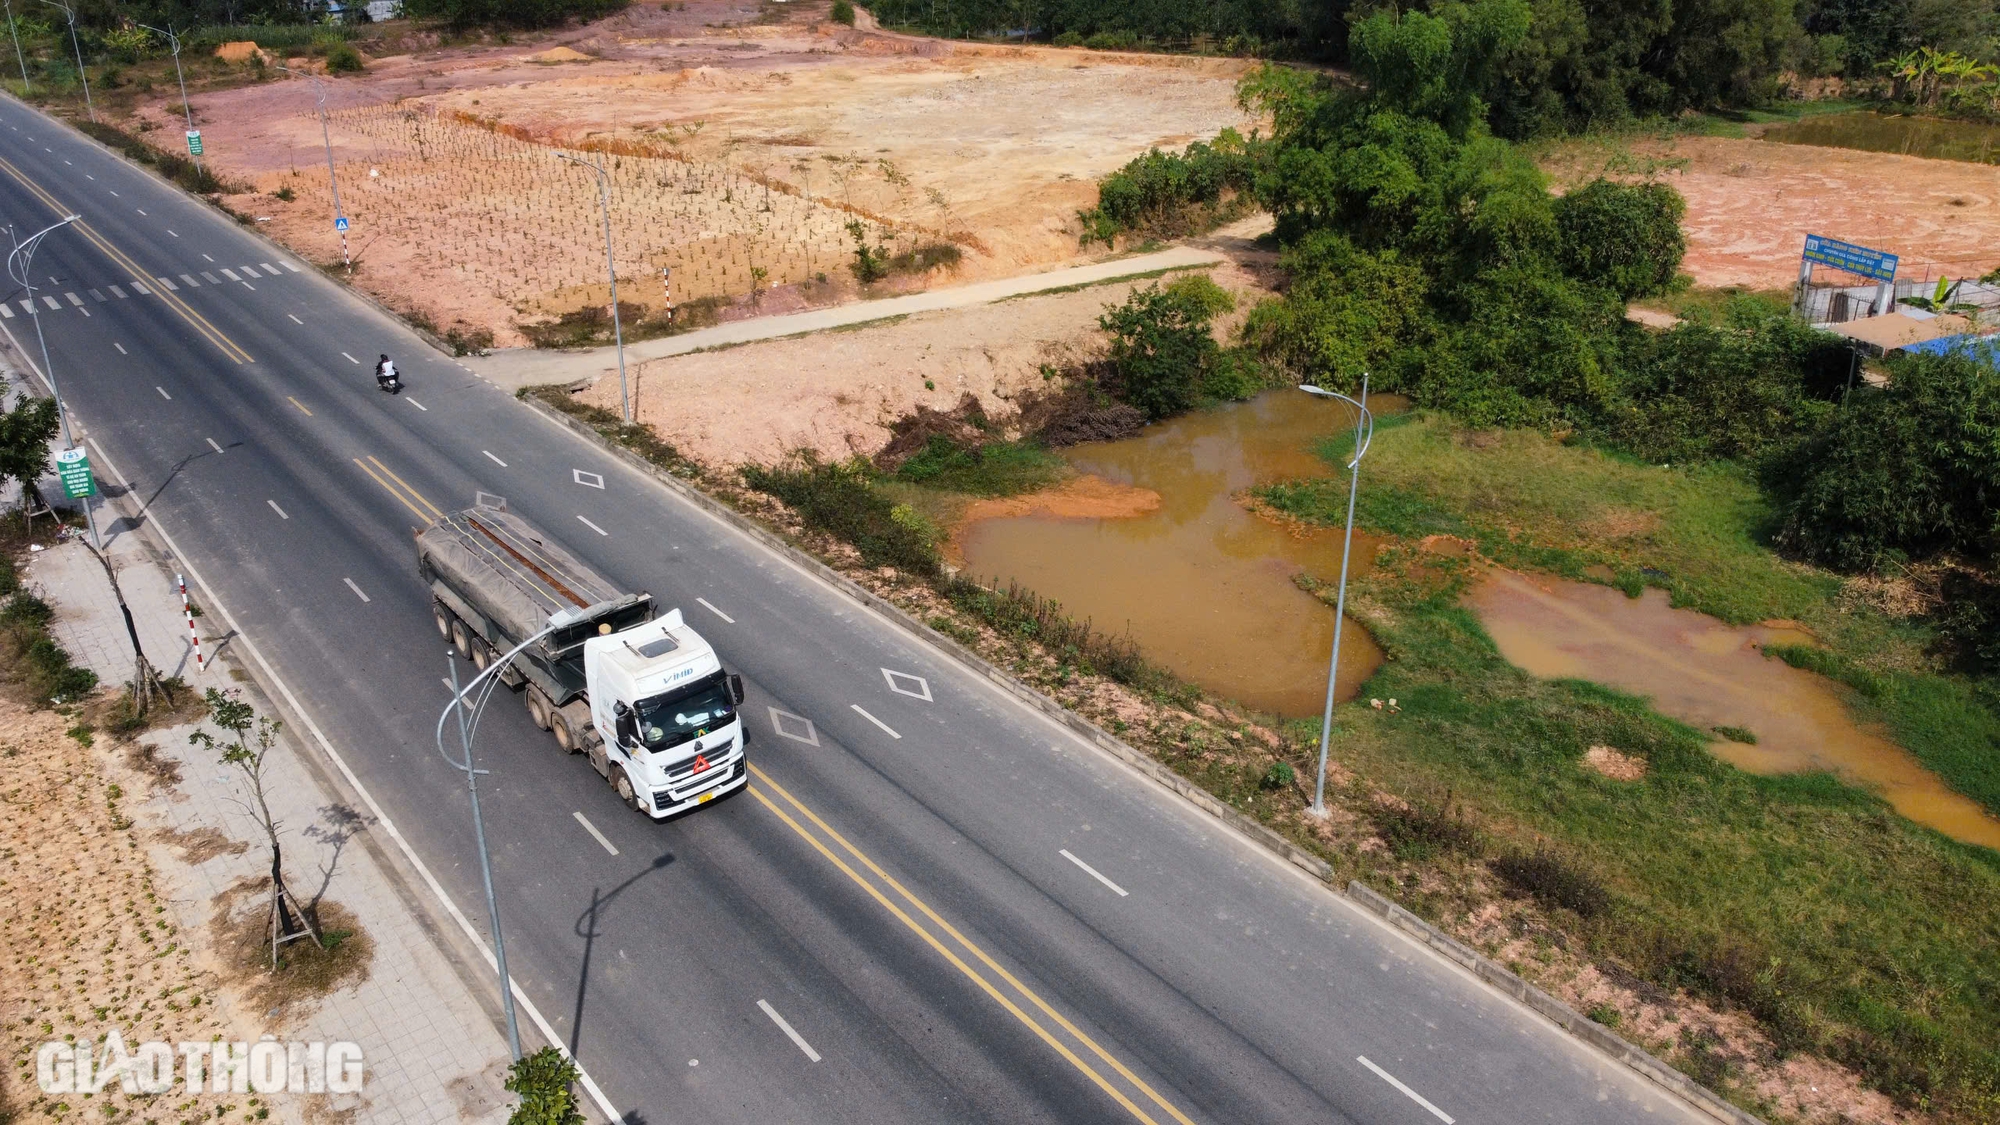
{"x":1752,"y":202}
{"x":837,"y":392}
{"x":739,"y":137}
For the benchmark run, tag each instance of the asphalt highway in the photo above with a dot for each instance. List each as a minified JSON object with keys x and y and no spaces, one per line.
{"x":933,"y":904}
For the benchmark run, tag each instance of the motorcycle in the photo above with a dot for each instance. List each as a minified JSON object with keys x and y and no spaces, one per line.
{"x":387,"y":379}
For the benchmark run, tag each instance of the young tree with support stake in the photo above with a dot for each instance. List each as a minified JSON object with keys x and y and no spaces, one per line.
{"x":237,"y":719}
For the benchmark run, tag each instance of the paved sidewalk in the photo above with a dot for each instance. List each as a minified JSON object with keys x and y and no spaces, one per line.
{"x":432,"y":1052}
{"x":514,"y":368}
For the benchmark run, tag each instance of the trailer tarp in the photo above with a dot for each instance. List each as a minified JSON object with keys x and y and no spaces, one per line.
{"x":509,"y":569}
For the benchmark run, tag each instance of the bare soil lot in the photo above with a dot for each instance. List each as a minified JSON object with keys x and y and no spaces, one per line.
{"x":740,"y":139}
{"x":1752,"y":202}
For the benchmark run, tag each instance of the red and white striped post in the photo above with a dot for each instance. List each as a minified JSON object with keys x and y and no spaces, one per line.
{"x":194,"y":635}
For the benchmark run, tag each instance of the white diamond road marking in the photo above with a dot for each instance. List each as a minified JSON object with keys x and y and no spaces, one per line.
{"x":799,"y":723}
{"x":920,"y":690}
{"x":588,"y":480}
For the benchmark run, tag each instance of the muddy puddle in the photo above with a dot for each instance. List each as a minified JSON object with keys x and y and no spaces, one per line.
{"x":1203,"y":586}
{"x":1910,"y":136}
{"x":1708,"y":674}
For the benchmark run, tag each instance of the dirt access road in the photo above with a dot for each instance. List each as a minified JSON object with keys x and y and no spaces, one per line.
{"x":741,"y":138}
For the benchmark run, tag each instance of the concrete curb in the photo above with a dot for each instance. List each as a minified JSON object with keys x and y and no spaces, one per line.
{"x":1564,"y":1016}
{"x":1485,"y":969}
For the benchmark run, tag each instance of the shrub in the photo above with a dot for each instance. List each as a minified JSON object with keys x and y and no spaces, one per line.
{"x":1000,"y":468}
{"x":1911,"y":470}
{"x":1279,"y":776}
{"x":1168,"y":194}
{"x":925,"y":257}
{"x":1420,"y":830}
{"x":1017,"y":612}
{"x":1552,"y":881}
{"x":1625,"y":237}
{"x":342,"y":58}
{"x":546,"y":1082}
{"x":843,"y":12}
{"x":1161,"y":348}
{"x":837,"y":499}
{"x":870,"y":264}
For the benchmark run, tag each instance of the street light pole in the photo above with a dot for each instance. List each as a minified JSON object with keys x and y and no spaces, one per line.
{"x":326,"y":138}
{"x":20,"y":264}
{"x":81,"y":75}
{"x":26,"y":86}
{"x":610,"y":267}
{"x":174,"y":41}
{"x":459,"y":702}
{"x":1364,"y":432}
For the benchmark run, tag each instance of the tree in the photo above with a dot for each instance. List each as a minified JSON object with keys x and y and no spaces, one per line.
{"x":1624,"y":237}
{"x":26,"y":429}
{"x":1161,"y":346}
{"x":236,"y":719}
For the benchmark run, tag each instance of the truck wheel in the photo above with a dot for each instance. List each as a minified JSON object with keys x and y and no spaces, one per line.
{"x":482,"y":655}
{"x":443,"y":616}
{"x":622,"y":785}
{"x":461,"y":639}
{"x":538,"y":707}
{"x":568,"y":724}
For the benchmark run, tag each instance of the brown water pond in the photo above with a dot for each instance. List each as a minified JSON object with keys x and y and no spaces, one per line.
{"x":1708,"y":674}
{"x":1911,"y":136}
{"x":1203,"y":586}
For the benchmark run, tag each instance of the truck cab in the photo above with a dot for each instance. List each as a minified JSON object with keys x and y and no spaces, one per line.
{"x":665,"y":715}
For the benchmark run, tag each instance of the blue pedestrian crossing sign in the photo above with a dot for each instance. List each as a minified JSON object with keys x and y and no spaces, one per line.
{"x":340,"y":224}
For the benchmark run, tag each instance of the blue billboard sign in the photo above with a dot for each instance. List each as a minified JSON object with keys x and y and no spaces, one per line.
{"x":1847,"y":256}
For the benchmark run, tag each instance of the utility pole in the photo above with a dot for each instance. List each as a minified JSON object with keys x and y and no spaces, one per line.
{"x":460,"y":702}
{"x":1364,"y":432}
{"x":326,"y":138}
{"x":617,"y":328}
{"x":26,"y":86}
{"x":78,"y":48}
{"x":19,"y":265}
{"x":174,"y":41}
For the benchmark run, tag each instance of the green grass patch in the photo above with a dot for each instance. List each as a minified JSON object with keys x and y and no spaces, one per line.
{"x":1801,"y":899}
{"x":999,"y":468}
{"x":1702,"y":303}
{"x":1701,"y":532}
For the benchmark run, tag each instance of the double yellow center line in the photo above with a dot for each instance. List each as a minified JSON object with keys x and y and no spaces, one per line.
{"x":124,"y":261}
{"x":412,"y":499}
{"x":880,"y":887}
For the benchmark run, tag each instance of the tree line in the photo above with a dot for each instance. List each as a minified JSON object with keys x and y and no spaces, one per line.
{"x":1582,"y":63}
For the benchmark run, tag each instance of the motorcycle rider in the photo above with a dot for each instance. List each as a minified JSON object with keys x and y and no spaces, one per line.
{"x":385,"y":374}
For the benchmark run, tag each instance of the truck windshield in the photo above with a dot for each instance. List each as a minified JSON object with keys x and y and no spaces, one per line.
{"x":685,"y":713}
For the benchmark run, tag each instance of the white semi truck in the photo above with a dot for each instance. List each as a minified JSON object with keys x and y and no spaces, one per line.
{"x":643,"y":697}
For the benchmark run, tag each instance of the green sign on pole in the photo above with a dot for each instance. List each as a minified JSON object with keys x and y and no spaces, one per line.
{"x":194,"y":142}
{"x":73,"y":466}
